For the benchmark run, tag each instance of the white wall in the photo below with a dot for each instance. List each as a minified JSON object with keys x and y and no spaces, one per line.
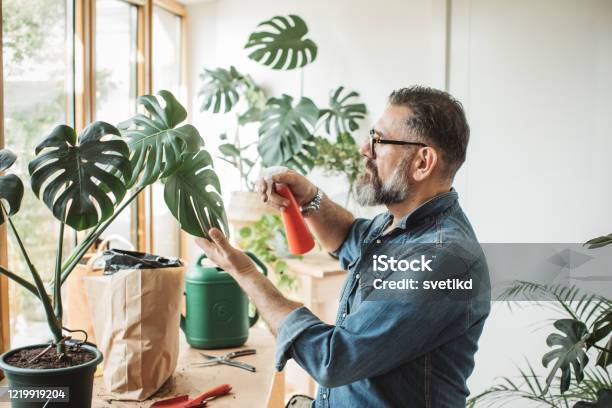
{"x":534,"y":78}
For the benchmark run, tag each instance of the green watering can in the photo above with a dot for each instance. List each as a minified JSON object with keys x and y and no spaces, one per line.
{"x":217,"y":309}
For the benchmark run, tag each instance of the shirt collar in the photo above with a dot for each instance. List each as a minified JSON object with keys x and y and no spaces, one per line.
{"x":429,"y":208}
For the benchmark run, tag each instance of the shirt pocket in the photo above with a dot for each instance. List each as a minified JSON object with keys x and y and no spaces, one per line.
{"x":349,"y":278}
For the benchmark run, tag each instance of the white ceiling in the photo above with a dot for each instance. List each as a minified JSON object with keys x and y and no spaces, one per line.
{"x":187,"y":2}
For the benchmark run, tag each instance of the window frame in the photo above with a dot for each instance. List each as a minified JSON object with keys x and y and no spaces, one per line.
{"x":4,"y":305}
{"x":83,"y":19}
{"x":180,"y":11}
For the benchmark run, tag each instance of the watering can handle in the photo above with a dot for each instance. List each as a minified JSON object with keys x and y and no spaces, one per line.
{"x":252,"y":319}
{"x":258,"y":263}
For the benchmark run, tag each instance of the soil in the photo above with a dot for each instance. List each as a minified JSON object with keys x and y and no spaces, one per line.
{"x":73,"y":357}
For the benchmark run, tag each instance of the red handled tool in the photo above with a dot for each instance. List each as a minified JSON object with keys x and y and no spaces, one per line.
{"x":183,"y":401}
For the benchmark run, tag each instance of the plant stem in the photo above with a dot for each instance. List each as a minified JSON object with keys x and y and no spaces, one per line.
{"x":83,"y":244}
{"x":27,"y":285}
{"x":600,"y":348}
{"x":249,"y":145}
{"x":54,"y":324}
{"x":301,"y":82}
{"x":239,"y":158}
{"x":250,"y":185}
{"x":76,"y":256}
{"x":348,"y":195}
{"x":57,"y":284}
{"x":60,"y":348}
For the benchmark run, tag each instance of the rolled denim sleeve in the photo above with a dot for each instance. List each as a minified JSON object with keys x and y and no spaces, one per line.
{"x":292,"y":326}
{"x":377,"y":338}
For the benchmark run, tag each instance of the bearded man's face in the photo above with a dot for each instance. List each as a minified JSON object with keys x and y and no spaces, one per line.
{"x":385,"y":178}
{"x":372,"y":190}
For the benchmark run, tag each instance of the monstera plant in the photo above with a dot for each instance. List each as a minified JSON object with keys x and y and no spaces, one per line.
{"x":288,"y":125}
{"x":285,"y":132}
{"x":284,"y":47}
{"x":87,"y":180}
{"x":343,"y":113}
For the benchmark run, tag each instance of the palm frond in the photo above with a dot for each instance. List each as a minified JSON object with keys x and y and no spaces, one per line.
{"x":594,"y":380}
{"x":579,"y":305}
{"x":529,"y":387}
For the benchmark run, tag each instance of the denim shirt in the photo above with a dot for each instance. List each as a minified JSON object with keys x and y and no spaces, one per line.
{"x":393,"y":354}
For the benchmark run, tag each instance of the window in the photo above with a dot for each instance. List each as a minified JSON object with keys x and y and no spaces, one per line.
{"x":75,"y":61}
{"x":38,"y":78}
{"x":116,"y":60}
{"x":167,"y":51}
{"x":116,"y":55}
{"x":167,"y":75}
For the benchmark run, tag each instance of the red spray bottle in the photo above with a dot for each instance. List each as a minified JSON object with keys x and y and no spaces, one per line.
{"x":299,"y":238}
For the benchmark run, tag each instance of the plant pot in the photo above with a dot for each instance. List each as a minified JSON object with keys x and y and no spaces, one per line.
{"x":79,"y":379}
{"x":245,"y":208}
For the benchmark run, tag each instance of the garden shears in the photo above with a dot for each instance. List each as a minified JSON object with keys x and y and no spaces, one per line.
{"x":227,"y":359}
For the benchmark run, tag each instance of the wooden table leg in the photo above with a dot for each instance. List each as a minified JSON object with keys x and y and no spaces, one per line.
{"x":276,"y":398}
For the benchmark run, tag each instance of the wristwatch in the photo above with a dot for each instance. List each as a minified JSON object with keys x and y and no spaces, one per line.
{"x":313,"y":205}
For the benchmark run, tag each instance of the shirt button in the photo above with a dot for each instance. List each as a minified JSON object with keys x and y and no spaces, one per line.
{"x":324,"y":396}
{"x":343,"y":315}
{"x":378,"y":241}
{"x":357,"y":276}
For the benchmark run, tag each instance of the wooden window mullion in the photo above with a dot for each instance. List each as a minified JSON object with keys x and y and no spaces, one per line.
{"x":4,"y":304}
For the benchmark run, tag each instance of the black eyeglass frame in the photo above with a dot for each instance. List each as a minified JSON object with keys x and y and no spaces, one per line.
{"x":375,"y":137}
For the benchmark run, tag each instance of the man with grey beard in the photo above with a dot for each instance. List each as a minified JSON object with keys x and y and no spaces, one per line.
{"x":414,"y":349}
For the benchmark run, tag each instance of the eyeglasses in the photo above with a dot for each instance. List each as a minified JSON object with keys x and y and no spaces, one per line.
{"x":375,"y":137}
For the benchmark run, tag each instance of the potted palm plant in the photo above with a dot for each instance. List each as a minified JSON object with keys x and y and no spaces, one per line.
{"x":86,"y":182}
{"x":583,"y":333}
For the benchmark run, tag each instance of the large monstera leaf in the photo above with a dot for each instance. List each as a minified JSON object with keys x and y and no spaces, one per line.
{"x":193,"y":195}
{"x":304,"y":161}
{"x":284,"y":46}
{"x":604,"y":400}
{"x":343,"y":112}
{"x":11,"y":187}
{"x":220,"y":89}
{"x":570,"y":351}
{"x":602,"y":328}
{"x":285,"y":128}
{"x":83,"y":179}
{"x":156,"y":141}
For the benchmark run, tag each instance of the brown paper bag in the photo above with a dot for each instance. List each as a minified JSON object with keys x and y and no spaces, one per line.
{"x":136,"y":316}
{"x":77,"y":313}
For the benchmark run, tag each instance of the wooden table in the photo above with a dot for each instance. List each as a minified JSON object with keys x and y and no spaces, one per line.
{"x":264,"y":388}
